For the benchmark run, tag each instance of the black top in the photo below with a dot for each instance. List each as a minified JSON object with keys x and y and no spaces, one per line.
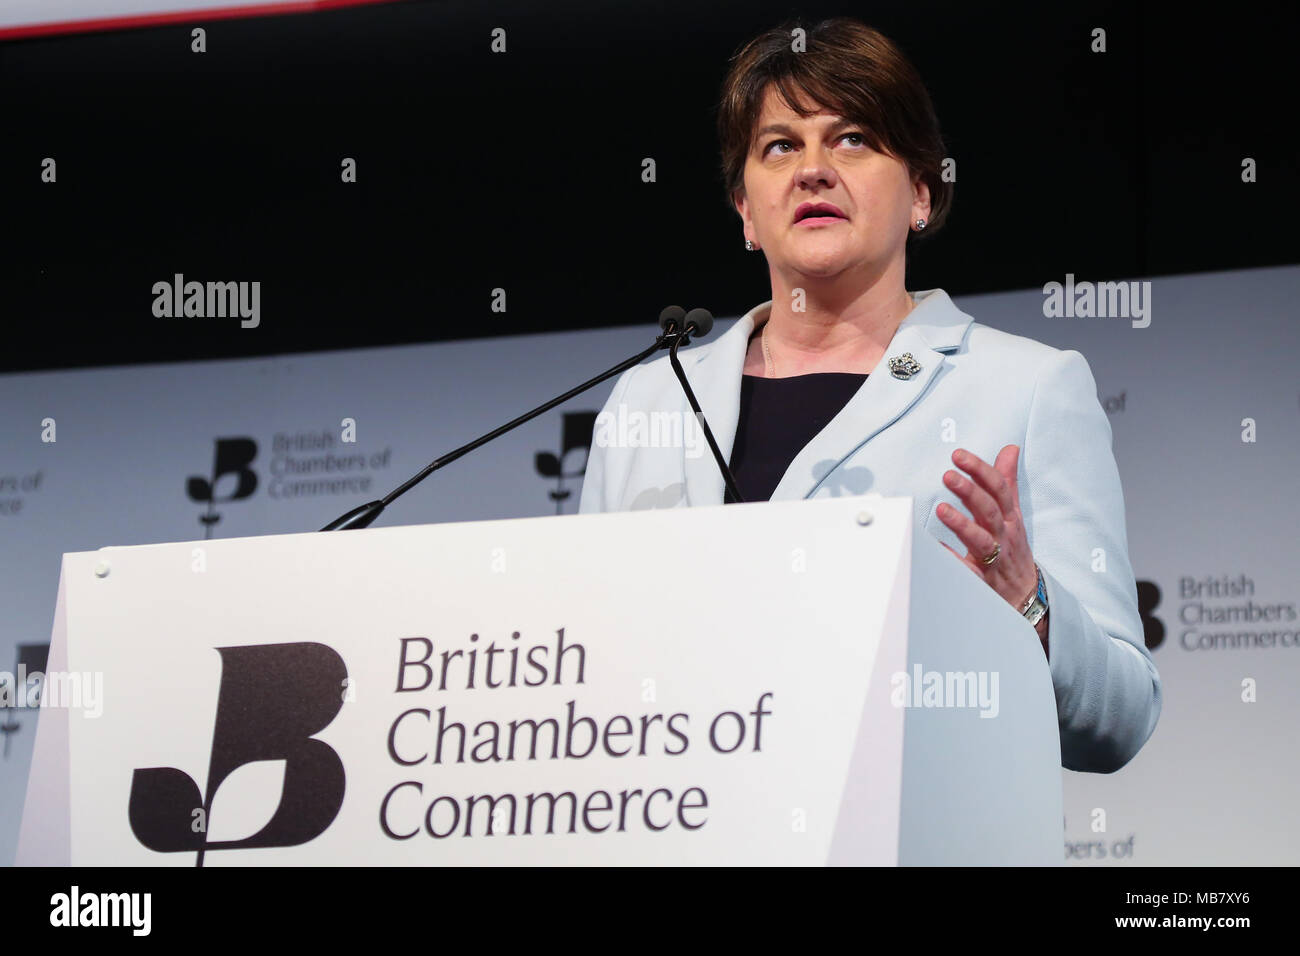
{"x":778,"y":417}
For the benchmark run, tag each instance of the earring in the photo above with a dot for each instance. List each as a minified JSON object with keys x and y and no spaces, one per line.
{"x":749,"y":246}
{"x":920,"y":224}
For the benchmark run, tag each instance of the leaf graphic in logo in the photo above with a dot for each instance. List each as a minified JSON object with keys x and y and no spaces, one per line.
{"x":547,"y":464}
{"x":161,"y":809}
{"x":246,"y":801}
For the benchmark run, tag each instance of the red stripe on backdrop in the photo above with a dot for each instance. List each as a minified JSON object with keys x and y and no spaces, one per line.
{"x":179,"y":16}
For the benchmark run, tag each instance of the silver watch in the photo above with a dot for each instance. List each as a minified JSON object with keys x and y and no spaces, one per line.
{"x":1036,"y":606}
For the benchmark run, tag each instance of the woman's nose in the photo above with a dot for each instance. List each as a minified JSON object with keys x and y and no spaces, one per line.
{"x":816,"y":170}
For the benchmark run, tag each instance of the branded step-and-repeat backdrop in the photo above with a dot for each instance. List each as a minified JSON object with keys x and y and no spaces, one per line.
{"x":1197,"y":375}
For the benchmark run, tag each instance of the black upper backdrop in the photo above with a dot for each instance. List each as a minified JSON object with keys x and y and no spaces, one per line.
{"x":523,"y":171}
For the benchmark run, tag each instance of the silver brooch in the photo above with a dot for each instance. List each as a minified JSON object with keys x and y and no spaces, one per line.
{"x":904,"y":366}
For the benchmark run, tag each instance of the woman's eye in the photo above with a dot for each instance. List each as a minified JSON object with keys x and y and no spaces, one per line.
{"x":857,"y":139}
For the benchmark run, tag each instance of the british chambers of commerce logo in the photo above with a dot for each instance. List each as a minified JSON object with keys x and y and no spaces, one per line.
{"x":320,"y":463}
{"x":575,"y":442}
{"x":272,"y":700}
{"x":231,"y":460}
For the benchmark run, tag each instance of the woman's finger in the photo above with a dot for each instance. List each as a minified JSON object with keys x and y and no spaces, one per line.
{"x":978,"y":540}
{"x":982,"y":505}
{"x":987,"y":477}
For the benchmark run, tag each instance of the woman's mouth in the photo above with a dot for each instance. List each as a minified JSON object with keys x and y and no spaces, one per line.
{"x":818,"y":214}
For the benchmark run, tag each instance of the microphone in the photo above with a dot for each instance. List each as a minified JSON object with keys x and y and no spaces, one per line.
{"x":700,"y":322}
{"x":672,"y":318}
{"x":676,"y":327}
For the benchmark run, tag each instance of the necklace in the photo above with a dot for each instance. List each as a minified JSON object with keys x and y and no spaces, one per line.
{"x":769,"y":368}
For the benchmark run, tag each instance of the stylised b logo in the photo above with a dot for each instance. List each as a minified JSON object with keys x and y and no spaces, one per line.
{"x":273,"y":697}
{"x":1153,"y":629}
{"x":575,"y":436}
{"x":232,"y":457}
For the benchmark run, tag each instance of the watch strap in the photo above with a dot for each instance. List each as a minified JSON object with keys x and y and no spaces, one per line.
{"x":1036,"y":606}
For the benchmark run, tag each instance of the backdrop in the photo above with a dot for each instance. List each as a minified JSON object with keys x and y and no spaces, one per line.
{"x":1202,"y":400}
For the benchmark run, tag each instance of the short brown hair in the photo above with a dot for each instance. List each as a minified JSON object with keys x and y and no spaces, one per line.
{"x":847,"y":67}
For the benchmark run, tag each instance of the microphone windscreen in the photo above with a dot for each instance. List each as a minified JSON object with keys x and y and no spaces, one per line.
{"x":702,"y":320}
{"x":673,"y":315}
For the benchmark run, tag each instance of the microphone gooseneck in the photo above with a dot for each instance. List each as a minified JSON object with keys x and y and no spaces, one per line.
{"x":700,"y":322}
{"x":676,"y":327}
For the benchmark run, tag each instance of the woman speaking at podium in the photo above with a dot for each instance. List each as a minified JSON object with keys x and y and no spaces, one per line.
{"x":846,"y":383}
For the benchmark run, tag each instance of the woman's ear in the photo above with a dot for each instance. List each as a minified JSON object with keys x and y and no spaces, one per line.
{"x":741,"y":203}
{"x":920,"y":199}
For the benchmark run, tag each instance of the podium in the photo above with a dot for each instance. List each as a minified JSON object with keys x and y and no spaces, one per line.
{"x":796,"y":683}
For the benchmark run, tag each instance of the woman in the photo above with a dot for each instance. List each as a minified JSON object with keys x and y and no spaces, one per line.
{"x":844,"y":383}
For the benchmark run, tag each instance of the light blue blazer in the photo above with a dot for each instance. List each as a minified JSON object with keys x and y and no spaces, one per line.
{"x":979,"y":389}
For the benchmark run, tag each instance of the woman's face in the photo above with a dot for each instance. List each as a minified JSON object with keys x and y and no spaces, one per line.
{"x":824,"y":159}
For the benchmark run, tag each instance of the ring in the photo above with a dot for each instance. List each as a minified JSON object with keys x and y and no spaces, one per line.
{"x":997,"y":549}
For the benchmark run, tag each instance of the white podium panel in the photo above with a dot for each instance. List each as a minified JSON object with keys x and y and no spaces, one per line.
{"x":691,"y":686}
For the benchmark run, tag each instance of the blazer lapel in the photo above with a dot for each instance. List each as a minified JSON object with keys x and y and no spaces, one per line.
{"x":932,"y":328}
{"x":935,"y":326}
